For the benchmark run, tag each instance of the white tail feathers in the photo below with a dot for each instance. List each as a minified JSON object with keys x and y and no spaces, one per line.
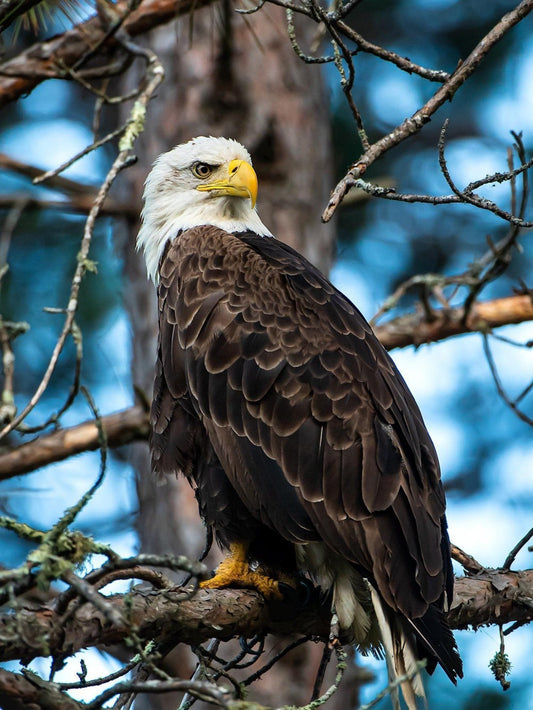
{"x":348,"y":608}
{"x":370,"y":628}
{"x":400,"y":656}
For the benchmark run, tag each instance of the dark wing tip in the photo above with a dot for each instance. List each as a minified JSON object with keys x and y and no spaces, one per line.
{"x":436,"y":639}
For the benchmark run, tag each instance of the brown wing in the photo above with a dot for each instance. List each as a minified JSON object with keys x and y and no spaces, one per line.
{"x":307,"y":413}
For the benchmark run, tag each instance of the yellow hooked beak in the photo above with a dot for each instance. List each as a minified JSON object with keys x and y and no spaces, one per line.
{"x":241,"y":182}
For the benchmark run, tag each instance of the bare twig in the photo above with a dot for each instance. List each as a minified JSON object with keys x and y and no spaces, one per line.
{"x":469,"y":197}
{"x":87,"y":592}
{"x":261,"y":671}
{"x":78,"y":204}
{"x":467,"y":561}
{"x":133,"y":127}
{"x":104,"y":679}
{"x":70,"y":187}
{"x":516,"y":549}
{"x":94,"y":146}
{"x":205,"y":691}
{"x":445,"y":93}
{"x":54,"y":417}
{"x":388,"y":192}
{"x":393,"y":686}
{"x":341,"y":667}
{"x":499,"y":385}
{"x":326,"y":657}
{"x":401,"y":62}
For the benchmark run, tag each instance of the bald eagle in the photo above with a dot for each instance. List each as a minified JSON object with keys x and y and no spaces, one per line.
{"x":273,"y":396}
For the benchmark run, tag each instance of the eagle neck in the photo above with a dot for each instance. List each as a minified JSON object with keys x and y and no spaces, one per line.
{"x":158,"y":228}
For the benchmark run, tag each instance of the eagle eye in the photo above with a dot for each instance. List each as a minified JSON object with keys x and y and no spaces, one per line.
{"x":201,"y":170}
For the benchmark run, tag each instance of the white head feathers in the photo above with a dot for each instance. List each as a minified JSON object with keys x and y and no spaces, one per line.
{"x":173,"y":201}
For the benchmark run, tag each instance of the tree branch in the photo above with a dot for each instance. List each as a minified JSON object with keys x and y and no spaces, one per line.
{"x":414,"y":123}
{"x":58,"y":182}
{"x":78,"y":204}
{"x":493,"y":596}
{"x":21,"y":692}
{"x":415,"y":328}
{"x":48,"y":59}
{"x":121,"y":428}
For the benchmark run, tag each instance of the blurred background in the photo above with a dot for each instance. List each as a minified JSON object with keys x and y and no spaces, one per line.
{"x":486,"y":451}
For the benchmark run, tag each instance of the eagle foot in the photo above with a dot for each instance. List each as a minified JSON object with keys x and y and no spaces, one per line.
{"x":235,"y":571}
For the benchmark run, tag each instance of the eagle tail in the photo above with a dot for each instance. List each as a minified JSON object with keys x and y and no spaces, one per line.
{"x":437,"y":641}
{"x":400,"y":655}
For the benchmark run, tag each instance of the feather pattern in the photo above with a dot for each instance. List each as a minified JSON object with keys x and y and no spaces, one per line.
{"x":294,"y":390}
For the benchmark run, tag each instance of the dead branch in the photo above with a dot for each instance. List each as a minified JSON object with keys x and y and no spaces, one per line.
{"x":43,"y":60}
{"x":468,"y":563}
{"x":512,"y":403}
{"x":154,"y":75}
{"x":415,"y":328}
{"x":387,"y":55}
{"x":20,"y":692}
{"x":128,"y":425}
{"x":66,"y":185}
{"x":490,"y":597}
{"x":78,"y":204}
{"x":414,"y":123}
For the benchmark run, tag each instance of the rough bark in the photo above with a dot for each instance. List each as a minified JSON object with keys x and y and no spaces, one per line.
{"x":20,"y":693}
{"x":416,"y":328}
{"x":491,"y":597}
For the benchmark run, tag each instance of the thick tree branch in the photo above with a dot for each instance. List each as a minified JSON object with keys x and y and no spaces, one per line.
{"x":490,"y":597}
{"x":415,"y":328}
{"x":49,"y":59}
{"x":414,"y":123}
{"x":18,"y":692}
{"x":166,"y":615}
{"x":128,"y":425}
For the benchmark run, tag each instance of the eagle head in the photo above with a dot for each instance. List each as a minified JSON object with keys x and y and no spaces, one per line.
{"x":207,"y":181}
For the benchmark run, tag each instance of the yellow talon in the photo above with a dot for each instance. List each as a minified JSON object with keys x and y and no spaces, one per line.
{"x":235,"y":571}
